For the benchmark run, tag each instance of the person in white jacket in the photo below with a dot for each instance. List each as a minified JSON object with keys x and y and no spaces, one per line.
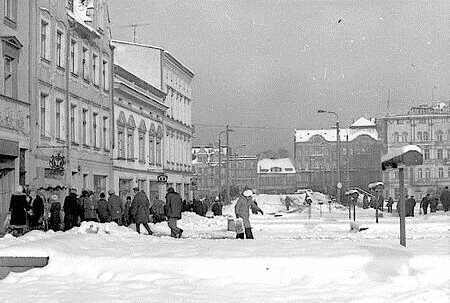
{"x":242,"y":210}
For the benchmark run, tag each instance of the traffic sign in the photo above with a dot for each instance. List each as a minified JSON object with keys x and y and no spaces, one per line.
{"x":162,"y":178}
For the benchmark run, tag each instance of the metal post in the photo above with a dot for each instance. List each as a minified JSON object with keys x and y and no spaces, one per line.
{"x":220,"y":172}
{"x":354,"y":210}
{"x":338,"y":141}
{"x":401,"y":208}
{"x":227,"y":182}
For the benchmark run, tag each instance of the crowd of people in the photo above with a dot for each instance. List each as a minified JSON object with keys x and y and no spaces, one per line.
{"x":33,"y":210}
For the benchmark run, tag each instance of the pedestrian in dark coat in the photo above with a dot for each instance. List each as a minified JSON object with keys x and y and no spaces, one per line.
{"x":70,"y":209}
{"x":434,"y":203}
{"x":37,"y":207}
{"x":18,"y":207}
{"x":445,"y":198}
{"x":174,"y":206}
{"x":288,"y":202}
{"x":81,"y":199}
{"x":198,"y":207}
{"x":140,"y":208}
{"x":126,"y":217}
{"x":90,"y":208}
{"x":424,"y":203}
{"x":409,"y":206}
{"x":115,"y":207}
{"x":103,"y":209}
{"x":157,"y":210}
{"x":216,"y":207}
{"x":54,"y":222}
{"x":242,"y":210}
{"x":389,"y":204}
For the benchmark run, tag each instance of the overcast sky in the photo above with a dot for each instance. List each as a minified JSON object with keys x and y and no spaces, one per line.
{"x":275,"y":63}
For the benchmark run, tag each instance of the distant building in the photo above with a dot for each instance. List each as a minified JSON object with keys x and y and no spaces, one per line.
{"x":315,"y":157}
{"x":429,"y":128}
{"x":160,"y":69}
{"x":15,"y":99}
{"x":205,"y":161}
{"x":276,"y":176}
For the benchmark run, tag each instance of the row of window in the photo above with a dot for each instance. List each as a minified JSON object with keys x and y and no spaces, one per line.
{"x":88,"y":128}
{"x":423,"y":173}
{"x":126,"y":146}
{"x":421,"y":136}
{"x":179,"y":106}
{"x":428,"y":173}
{"x":84,"y":61}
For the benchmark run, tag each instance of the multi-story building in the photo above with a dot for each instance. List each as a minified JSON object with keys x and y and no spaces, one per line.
{"x":205,"y":161}
{"x":137,"y":155}
{"x":276,"y":176}
{"x":315,"y":153}
{"x":72,"y":92}
{"x":429,"y":128}
{"x":158,"y":68}
{"x":15,"y":98}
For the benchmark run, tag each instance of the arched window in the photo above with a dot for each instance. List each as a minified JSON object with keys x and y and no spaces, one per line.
{"x":396,"y":137}
{"x":439,"y":136}
{"x":419,"y":136}
{"x":419,"y":173}
{"x":426,"y":137}
{"x":404,"y":137}
{"x":441,"y":173}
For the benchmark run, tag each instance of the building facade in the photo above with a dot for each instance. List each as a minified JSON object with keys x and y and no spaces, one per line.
{"x":15,"y":98}
{"x":205,"y":161}
{"x":316,"y":157}
{"x":139,"y":110}
{"x":276,"y":176}
{"x":160,"y":69}
{"x":429,"y":128}
{"x":72,"y":92}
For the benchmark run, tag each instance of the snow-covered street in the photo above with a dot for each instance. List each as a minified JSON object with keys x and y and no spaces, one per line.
{"x":292,"y":259}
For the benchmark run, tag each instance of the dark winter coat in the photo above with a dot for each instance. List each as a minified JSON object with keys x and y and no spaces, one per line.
{"x":158,"y":211}
{"x":216,"y":208}
{"x":409,"y":207}
{"x":242,"y":209}
{"x":38,"y":207}
{"x":90,"y":208}
{"x":54,"y":221}
{"x":198,"y":207}
{"x":445,"y":198}
{"x":174,"y":205}
{"x":71,"y":204}
{"x":18,"y":208}
{"x":434,"y":203}
{"x":115,"y":207}
{"x":103,"y":211}
{"x":425,"y":202}
{"x":140,"y":208}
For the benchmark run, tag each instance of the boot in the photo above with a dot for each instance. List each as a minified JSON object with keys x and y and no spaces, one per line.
{"x":248,"y":233}
{"x":240,"y":236}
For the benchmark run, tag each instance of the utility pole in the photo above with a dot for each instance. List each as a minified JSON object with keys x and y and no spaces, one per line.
{"x":227,"y":193}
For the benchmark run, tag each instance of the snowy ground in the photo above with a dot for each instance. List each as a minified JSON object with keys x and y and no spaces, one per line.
{"x":292,"y":259}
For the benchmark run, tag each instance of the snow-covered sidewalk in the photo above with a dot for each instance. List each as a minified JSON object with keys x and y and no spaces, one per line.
{"x":292,"y":259}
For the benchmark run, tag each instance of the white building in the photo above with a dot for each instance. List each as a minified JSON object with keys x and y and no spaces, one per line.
{"x":137,"y":156}
{"x":429,"y":128}
{"x":160,"y":69}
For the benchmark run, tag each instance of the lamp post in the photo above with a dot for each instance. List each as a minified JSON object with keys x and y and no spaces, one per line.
{"x":227,"y":167}
{"x":338,"y":153}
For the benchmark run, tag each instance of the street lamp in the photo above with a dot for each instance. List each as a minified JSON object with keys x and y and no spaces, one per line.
{"x":338,"y":143}
{"x":220,"y":164}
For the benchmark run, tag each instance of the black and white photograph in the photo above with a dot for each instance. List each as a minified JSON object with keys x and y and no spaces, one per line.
{"x":225,"y":151}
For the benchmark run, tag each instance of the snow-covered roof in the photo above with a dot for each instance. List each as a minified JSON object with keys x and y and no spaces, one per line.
{"x":280,"y":166}
{"x":363,"y":122}
{"x":330,"y":134}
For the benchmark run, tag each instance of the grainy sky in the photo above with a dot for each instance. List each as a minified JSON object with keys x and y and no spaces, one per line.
{"x":275,"y":63}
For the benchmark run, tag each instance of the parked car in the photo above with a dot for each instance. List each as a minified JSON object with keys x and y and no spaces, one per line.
{"x":308,"y":191}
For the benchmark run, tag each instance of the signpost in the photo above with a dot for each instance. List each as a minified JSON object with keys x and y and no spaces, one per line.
{"x":409,"y":155}
{"x":162,"y":178}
